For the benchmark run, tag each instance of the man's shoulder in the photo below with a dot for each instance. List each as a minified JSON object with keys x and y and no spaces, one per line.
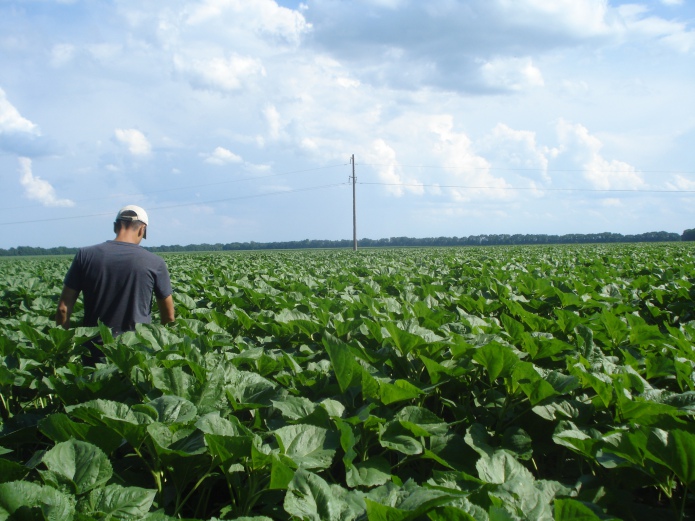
{"x":91,"y":249}
{"x":109,"y":248}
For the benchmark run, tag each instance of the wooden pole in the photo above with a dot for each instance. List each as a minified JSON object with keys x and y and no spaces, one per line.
{"x":354,"y":207}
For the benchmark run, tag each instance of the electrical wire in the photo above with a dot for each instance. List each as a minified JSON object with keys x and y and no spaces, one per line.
{"x":189,"y":187}
{"x":637,"y":190}
{"x":182,"y":205}
{"x":519,"y":169}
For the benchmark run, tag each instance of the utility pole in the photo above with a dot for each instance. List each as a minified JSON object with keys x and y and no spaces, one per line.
{"x":354,"y":207}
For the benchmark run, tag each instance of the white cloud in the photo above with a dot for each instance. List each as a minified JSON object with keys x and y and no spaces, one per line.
{"x":388,"y":172}
{"x":582,"y":18}
{"x":262,"y":17}
{"x":137,"y":143}
{"x":584,"y":150}
{"x":512,"y":74}
{"x":418,"y":88}
{"x":516,"y":149}
{"x":455,"y":151}
{"x":672,"y":2}
{"x":272,"y":118}
{"x":229,"y":74}
{"x":682,"y":183}
{"x":11,"y":121}
{"x":640,"y":25}
{"x":222,"y":156}
{"x":39,"y":189}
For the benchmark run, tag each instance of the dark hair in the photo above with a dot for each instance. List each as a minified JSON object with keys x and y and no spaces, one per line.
{"x":127,"y":223}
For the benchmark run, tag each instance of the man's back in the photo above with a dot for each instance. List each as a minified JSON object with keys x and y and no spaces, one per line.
{"x":118,"y":279}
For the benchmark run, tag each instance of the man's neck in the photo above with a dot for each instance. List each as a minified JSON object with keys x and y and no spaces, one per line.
{"x":127,"y":236}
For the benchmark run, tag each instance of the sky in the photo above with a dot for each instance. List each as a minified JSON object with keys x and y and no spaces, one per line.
{"x":237,"y":120}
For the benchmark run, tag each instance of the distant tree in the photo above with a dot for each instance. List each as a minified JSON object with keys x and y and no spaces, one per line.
{"x":688,"y":235}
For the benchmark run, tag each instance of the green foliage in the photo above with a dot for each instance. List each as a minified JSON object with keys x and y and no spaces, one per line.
{"x":477,"y":384}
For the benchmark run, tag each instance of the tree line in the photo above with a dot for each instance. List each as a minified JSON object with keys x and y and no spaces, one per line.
{"x":471,"y":240}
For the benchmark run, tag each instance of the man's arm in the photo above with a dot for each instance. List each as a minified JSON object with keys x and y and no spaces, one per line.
{"x":67,"y":301}
{"x":166,"y":309}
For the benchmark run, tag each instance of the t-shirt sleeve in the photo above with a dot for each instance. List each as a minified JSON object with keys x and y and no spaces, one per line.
{"x":73,"y":278}
{"x":162,"y":284}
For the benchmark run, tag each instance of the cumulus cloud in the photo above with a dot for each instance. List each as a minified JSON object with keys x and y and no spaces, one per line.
{"x":19,"y":135}
{"x":11,"y":121}
{"x":229,"y":74}
{"x":262,"y":17}
{"x":137,"y":143}
{"x":511,"y":74}
{"x":413,"y":42}
{"x":578,"y":18}
{"x":39,"y":189}
{"x":517,"y":149}
{"x":272,"y":118}
{"x":584,"y":149}
{"x":389,"y":172}
{"x":222,"y":156}
{"x":455,"y":151}
{"x":640,"y":25}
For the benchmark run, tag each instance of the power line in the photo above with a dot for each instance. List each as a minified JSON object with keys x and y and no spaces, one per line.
{"x":519,"y":169}
{"x":182,"y":205}
{"x":190,"y":187}
{"x":637,"y":190}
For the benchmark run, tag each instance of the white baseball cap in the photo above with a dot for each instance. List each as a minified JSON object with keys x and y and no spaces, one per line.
{"x":140,"y":214}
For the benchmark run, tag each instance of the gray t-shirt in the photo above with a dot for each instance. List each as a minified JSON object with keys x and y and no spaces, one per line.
{"x":117,"y":280}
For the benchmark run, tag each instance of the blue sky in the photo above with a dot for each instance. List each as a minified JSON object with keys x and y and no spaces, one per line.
{"x":235,"y":120}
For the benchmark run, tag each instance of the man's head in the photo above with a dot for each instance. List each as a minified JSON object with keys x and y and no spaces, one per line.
{"x":131,"y":221}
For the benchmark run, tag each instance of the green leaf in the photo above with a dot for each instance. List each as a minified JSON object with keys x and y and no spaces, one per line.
{"x":450,"y":514}
{"x":250,"y":390}
{"x":398,"y":391}
{"x":117,"y":502}
{"x":572,"y":510}
{"x":307,"y":445}
{"x":59,"y":427}
{"x":229,"y":449}
{"x":405,"y":341}
{"x":310,"y":497}
{"x":342,"y":360}
{"x":498,"y":360}
{"x":281,"y":474}
{"x":79,"y":465}
{"x":173,"y":409}
{"x":11,"y":471}
{"x":501,"y":468}
{"x":514,"y":328}
{"x":421,"y":421}
{"x":409,"y":501}
{"x":396,"y":437}
{"x":370,"y":473}
{"x":534,"y":386}
{"x":129,"y":424}
{"x":32,"y":501}
{"x":675,"y":449}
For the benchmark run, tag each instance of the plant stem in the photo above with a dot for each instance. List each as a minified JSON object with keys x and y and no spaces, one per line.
{"x":681,"y":516}
{"x":179,"y":504}
{"x":4,"y":411}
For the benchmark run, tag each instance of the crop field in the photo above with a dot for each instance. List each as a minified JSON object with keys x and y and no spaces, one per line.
{"x":486,"y":384}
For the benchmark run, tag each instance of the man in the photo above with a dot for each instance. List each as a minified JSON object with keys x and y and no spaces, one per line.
{"x":117,"y":279}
